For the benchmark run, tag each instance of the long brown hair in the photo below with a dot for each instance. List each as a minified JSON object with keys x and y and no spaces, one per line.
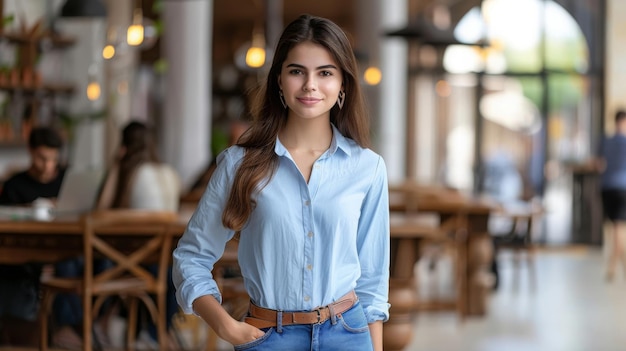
{"x":260,"y":160}
{"x":138,"y":149}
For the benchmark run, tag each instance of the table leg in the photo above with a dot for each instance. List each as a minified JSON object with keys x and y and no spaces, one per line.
{"x":398,"y":331}
{"x":479,"y":256}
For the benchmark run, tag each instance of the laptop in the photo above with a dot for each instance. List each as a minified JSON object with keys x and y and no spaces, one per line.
{"x":78,"y":194}
{"x":79,"y":191}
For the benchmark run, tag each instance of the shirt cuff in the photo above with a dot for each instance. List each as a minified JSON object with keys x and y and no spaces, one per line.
{"x":187,"y":295}
{"x":377,"y":313}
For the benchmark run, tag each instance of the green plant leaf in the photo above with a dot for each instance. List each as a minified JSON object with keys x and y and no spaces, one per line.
{"x":8,"y":19}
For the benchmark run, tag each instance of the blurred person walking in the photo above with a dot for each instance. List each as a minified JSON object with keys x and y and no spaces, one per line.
{"x":613,"y":168}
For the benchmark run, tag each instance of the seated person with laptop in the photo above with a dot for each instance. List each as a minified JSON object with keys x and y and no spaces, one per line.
{"x":20,"y":283}
{"x":44,"y":176}
{"x":45,"y":180}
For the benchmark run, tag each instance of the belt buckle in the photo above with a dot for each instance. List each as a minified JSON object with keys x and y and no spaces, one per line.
{"x":319,"y":314}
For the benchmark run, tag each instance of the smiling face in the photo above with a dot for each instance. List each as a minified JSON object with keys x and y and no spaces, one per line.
{"x":310,"y":79}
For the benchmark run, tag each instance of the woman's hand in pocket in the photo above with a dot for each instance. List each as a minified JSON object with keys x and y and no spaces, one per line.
{"x":241,"y":333}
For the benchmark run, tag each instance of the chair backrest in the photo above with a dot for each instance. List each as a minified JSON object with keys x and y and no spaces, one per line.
{"x":129,"y":239}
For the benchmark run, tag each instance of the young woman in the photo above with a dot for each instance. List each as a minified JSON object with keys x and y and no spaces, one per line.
{"x":310,"y":202}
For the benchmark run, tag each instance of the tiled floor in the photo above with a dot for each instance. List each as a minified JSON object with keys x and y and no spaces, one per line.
{"x":571,"y":308}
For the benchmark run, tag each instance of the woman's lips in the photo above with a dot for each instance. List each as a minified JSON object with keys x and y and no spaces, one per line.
{"x":308,"y":100}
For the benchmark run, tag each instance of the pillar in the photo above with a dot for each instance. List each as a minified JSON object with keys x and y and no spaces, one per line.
{"x":120,"y":72}
{"x":392,"y":110}
{"x":187,"y":106}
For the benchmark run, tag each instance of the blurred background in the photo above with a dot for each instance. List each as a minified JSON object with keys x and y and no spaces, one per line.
{"x":452,"y":84}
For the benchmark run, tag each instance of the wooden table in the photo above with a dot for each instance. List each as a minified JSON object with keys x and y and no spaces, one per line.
{"x":468,"y":213}
{"x":29,"y":240}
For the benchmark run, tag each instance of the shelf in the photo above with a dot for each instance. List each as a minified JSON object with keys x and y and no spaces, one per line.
{"x":53,"y":88}
{"x":23,"y":84}
{"x":57,"y":40}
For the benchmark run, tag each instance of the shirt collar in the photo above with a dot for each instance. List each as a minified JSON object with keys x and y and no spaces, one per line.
{"x":338,"y":142}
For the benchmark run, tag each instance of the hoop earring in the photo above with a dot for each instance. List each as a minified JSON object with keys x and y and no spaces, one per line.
{"x":282,"y":98}
{"x":341,"y":99}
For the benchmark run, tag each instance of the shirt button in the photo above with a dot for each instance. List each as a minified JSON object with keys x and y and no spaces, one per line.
{"x":310,"y":234}
{"x":306,"y":298}
{"x":309,"y":267}
{"x":317,"y":166}
{"x":307,"y":203}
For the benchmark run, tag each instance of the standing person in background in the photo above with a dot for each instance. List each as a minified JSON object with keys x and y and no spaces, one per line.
{"x":613,"y":167}
{"x":138,"y":180}
{"x":310,"y":202}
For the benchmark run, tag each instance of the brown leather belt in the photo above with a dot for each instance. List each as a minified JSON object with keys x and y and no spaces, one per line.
{"x":265,"y":318}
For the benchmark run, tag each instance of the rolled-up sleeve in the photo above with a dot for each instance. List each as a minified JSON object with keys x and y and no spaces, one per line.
{"x":204,"y":239}
{"x":373,"y":248}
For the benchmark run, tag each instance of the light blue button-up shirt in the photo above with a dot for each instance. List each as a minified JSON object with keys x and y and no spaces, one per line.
{"x":304,"y":245}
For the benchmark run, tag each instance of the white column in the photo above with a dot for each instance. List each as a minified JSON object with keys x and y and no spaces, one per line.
{"x":393,"y":89}
{"x":120,"y":73}
{"x":187,"y":119}
{"x":615,"y":66}
{"x":425,"y":129}
{"x":87,"y":139}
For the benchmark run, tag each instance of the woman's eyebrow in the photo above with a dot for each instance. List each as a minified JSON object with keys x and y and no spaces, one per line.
{"x":317,"y":68}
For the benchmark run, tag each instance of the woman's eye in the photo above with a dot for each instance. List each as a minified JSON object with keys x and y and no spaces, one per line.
{"x":326,"y":73}
{"x":295,"y":71}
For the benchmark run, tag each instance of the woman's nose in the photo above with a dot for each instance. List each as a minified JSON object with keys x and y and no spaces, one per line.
{"x":310,"y":84}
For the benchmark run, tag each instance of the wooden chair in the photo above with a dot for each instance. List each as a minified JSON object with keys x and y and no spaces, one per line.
{"x":518,"y":240}
{"x":450,"y":238}
{"x":128,"y":238}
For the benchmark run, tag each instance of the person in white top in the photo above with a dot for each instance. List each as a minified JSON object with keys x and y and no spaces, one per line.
{"x":138,"y":180}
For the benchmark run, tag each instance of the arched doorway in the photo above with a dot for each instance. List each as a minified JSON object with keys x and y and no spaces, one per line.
{"x":530,"y":101}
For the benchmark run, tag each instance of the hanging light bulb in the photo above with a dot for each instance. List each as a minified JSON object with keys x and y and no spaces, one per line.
{"x":93,"y":87}
{"x":112,"y":44}
{"x":255,"y":56}
{"x":108,"y":52}
{"x":134,"y":34}
{"x":93,"y":90}
{"x":372,"y":75}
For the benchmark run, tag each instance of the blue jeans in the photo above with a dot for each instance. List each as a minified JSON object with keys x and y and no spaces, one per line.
{"x":347,"y":332}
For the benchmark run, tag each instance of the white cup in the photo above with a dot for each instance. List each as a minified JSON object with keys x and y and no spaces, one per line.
{"x":41,"y":209}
